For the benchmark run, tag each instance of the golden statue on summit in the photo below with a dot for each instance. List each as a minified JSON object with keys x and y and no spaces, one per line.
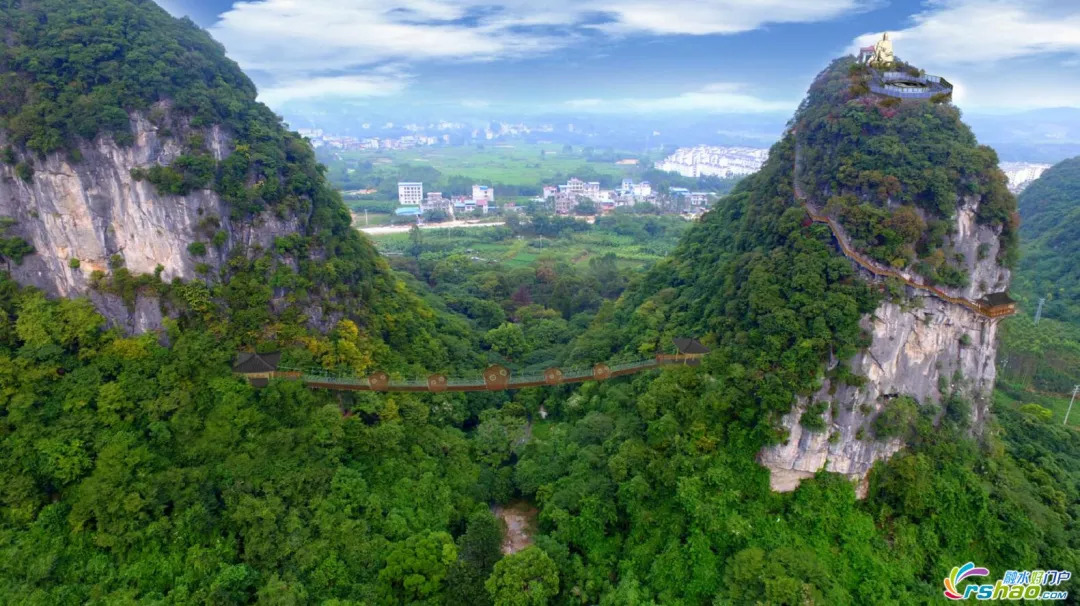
{"x":883,"y":50}
{"x":880,"y":54}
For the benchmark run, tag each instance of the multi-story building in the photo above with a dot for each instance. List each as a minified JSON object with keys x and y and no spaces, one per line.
{"x":410,"y":192}
{"x":724,"y":162}
{"x":642,"y":190}
{"x":550,"y":191}
{"x":577,"y":187}
{"x":483,"y":195}
{"x":436,"y":202}
{"x":699,"y":198}
{"x":564,"y":203}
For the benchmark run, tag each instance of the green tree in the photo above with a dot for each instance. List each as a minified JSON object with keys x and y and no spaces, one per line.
{"x":478,"y":551}
{"x":507,"y":339}
{"x":526,"y":578}
{"x":416,"y":568}
{"x":416,"y":242}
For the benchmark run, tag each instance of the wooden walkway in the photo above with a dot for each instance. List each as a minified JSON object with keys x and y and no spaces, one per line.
{"x":879,"y":270}
{"x":493,"y":378}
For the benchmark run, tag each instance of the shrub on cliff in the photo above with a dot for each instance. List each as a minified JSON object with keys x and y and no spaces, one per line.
{"x":920,"y":156}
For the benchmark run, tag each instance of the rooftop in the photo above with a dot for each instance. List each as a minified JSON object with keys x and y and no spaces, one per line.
{"x":997,"y":299}
{"x":689,"y":346}
{"x":249,"y":363}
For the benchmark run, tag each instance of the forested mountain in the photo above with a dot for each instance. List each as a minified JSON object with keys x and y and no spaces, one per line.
{"x":131,"y":472}
{"x":136,"y":469}
{"x":652,"y":492}
{"x":193,"y":197}
{"x":1050,"y":229}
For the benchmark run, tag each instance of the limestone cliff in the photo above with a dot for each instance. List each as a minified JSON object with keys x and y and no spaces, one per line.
{"x":92,"y":209}
{"x":977,"y":246}
{"x":919,"y":348}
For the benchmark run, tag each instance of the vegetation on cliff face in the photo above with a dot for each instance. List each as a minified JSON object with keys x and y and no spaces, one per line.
{"x":137,"y":473}
{"x":1046,"y":357}
{"x":71,"y":71}
{"x":894,"y":173}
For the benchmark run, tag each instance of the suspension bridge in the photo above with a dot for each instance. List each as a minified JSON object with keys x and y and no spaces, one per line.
{"x":259,"y":369}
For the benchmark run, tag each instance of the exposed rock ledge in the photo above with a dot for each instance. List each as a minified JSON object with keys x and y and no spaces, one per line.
{"x":93,"y":209}
{"x":911,"y":350}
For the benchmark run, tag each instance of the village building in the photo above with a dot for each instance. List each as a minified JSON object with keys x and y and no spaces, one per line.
{"x":435,"y":202}
{"x":410,"y":193}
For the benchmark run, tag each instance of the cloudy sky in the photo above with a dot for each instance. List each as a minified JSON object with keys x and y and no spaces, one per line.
{"x":635,"y":56}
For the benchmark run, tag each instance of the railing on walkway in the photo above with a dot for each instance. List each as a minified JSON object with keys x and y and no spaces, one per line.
{"x":494,"y":378}
{"x":878,"y":270}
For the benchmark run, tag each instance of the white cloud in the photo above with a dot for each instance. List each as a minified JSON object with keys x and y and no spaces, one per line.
{"x":996,"y":52}
{"x":355,"y":85}
{"x":336,"y":33}
{"x":719,"y":16}
{"x":299,"y":39}
{"x":954,"y":32}
{"x":720,"y":97}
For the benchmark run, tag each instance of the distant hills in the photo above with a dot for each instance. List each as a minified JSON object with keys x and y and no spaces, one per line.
{"x":1050,"y":233}
{"x":1037,"y":136}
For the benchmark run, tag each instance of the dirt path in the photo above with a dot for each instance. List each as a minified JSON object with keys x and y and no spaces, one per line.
{"x":519,"y":520}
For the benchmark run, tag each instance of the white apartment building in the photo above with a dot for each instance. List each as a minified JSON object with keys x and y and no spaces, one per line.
{"x":483,"y":193}
{"x":724,"y":162}
{"x":642,"y":190}
{"x":410,"y":193}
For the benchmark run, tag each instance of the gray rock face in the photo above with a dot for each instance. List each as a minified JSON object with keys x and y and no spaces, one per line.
{"x":917,"y":349}
{"x":979,"y":246}
{"x":93,"y":209}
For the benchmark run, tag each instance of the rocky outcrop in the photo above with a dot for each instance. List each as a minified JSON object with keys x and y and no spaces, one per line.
{"x":93,"y":209}
{"x":919,"y":349}
{"x":978,"y":246}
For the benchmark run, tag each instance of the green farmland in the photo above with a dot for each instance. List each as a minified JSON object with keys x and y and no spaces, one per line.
{"x":518,"y":163}
{"x":499,"y":245}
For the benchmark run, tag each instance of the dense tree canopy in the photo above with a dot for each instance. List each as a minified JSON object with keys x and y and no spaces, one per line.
{"x":73,"y":70}
{"x":135,"y":472}
{"x":895,"y":173}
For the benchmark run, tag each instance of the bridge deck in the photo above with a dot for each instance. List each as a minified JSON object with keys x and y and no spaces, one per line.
{"x":483,"y":382}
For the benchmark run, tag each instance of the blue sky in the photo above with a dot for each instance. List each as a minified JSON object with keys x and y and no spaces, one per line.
{"x":634,"y":56}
